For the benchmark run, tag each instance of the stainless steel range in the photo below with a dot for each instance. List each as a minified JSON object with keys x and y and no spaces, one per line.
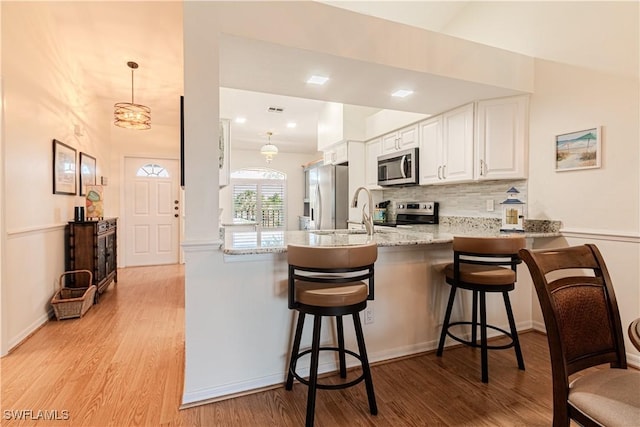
{"x":408,"y":213}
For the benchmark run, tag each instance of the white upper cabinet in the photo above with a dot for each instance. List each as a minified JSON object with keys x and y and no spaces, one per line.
{"x":338,"y":154}
{"x":430,"y":153}
{"x":372,"y":150}
{"x":501,"y":138}
{"x":400,"y":140}
{"x":446,"y":147}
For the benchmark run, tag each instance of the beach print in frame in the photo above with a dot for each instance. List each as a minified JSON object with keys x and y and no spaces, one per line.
{"x":578,"y":150}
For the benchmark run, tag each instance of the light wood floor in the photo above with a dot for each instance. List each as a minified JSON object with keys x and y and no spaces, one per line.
{"x":122,"y":365}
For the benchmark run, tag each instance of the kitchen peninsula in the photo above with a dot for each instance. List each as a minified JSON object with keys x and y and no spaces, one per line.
{"x":262,"y":242}
{"x":250,"y":336}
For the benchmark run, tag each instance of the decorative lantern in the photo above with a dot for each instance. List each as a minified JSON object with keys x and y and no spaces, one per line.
{"x":512,"y":212}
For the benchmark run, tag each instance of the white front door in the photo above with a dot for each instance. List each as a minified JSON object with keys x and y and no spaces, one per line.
{"x":152,"y":211}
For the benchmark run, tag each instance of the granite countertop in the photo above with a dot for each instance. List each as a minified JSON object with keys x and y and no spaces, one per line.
{"x":267,"y":241}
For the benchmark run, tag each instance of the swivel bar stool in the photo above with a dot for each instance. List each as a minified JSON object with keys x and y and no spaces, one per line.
{"x":482,"y":265}
{"x":330,"y":281}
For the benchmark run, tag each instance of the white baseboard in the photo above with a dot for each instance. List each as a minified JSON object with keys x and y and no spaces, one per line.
{"x":539,"y":326}
{"x":633,"y":360}
{"x":254,"y":385}
{"x":29,"y":330}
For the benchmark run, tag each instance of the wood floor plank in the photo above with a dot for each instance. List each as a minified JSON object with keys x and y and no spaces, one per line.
{"x":122,"y":364}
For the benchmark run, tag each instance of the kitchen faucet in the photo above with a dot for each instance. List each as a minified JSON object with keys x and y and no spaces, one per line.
{"x":367,"y":219}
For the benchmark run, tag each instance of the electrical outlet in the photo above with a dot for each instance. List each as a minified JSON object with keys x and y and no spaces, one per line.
{"x":368,"y":315}
{"x":490,"y":205}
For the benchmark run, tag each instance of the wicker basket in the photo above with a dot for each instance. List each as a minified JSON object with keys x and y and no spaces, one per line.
{"x":73,"y":302}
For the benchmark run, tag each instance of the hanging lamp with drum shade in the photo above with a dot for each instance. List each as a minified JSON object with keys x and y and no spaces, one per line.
{"x":130,"y":115}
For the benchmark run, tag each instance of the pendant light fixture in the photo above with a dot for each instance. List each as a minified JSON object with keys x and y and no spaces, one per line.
{"x":269,"y":150}
{"x":130,"y":115}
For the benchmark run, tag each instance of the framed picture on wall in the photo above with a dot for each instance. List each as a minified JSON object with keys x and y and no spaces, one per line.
{"x":224,"y":146}
{"x":87,"y":172}
{"x":64,"y":168}
{"x":578,"y":150}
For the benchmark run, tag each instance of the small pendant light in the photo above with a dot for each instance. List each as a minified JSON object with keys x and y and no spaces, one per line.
{"x":269,"y":150}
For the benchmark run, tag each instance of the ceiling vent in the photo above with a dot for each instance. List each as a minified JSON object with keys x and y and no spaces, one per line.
{"x":275,"y":109}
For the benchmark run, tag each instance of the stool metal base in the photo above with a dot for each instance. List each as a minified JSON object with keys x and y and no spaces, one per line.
{"x":330,"y":386}
{"x":312,"y":382}
{"x":474,"y":343}
{"x":483,"y":345}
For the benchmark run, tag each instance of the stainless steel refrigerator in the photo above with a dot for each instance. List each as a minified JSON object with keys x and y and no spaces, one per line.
{"x":329,"y":197}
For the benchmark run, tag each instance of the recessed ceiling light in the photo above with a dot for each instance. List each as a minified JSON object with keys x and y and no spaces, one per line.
{"x":318,"y":80}
{"x":291,"y":125}
{"x":401,"y":93}
{"x":241,"y":120}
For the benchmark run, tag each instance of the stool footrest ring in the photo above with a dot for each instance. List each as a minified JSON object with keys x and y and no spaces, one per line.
{"x":329,"y":386}
{"x":475,"y":344}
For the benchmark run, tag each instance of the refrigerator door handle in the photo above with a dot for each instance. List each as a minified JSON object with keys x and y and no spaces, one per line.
{"x":319,"y":224}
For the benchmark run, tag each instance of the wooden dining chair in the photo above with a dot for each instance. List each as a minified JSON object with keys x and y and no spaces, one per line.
{"x":584,"y":330}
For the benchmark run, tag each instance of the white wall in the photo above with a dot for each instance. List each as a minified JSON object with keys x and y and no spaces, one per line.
{"x":43,"y":83}
{"x":598,"y":206}
{"x":330,"y":124}
{"x":388,"y":120}
{"x":43,"y":100}
{"x":288,"y":163}
{"x":568,"y":99}
{"x":3,"y":328}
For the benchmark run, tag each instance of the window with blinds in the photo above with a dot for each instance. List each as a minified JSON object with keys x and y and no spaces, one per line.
{"x":259,"y":195}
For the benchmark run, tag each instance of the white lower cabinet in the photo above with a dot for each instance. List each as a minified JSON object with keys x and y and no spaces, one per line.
{"x":446,"y":147}
{"x":501,"y":138}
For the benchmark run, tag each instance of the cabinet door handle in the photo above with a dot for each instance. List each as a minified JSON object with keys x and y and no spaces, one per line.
{"x":439,"y":172}
{"x":444,"y":172}
{"x":483,"y":168}
{"x":176,"y":215}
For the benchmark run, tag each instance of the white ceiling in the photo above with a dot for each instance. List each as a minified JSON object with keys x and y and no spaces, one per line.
{"x":263,"y":68}
{"x":105,"y":35}
{"x":253,"y":106}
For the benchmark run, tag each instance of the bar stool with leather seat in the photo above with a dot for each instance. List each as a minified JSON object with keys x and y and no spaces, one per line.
{"x":483,"y":265}
{"x":330,"y":281}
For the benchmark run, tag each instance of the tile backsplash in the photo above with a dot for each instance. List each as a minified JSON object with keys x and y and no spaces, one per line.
{"x":469,"y":199}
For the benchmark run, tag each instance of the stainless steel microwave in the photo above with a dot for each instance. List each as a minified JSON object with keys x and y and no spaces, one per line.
{"x":398,"y":168}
